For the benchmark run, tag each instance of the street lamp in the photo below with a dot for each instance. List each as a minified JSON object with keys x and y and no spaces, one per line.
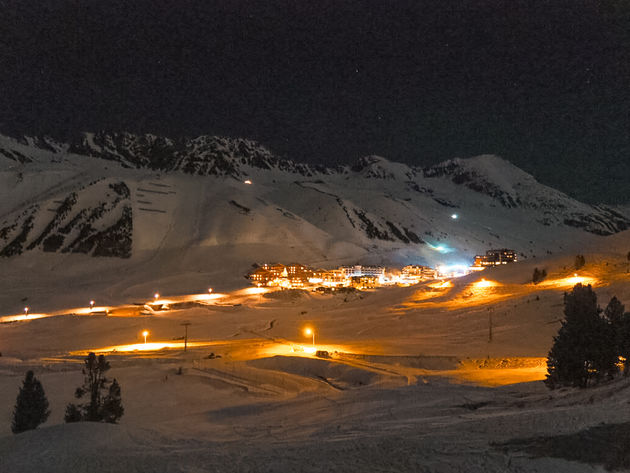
{"x":26,"y":311}
{"x":144,"y":334}
{"x":91,"y":305}
{"x":308,"y":332}
{"x":210,"y":290}
{"x":156,"y":296}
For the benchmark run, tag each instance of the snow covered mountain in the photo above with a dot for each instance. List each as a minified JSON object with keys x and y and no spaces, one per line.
{"x":128,"y":196}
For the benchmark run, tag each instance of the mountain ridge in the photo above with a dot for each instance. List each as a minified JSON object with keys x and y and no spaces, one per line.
{"x":376,"y":206}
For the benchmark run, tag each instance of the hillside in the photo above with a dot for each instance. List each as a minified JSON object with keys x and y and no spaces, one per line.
{"x":153,"y":208}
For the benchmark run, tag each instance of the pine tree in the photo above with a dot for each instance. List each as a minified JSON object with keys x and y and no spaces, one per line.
{"x":31,"y":406}
{"x":100,"y":407}
{"x":584,"y":351}
{"x":538,"y":275}
{"x":579,"y":262}
{"x":112,"y":405}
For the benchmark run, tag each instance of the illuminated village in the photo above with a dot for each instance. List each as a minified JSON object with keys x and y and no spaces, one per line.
{"x":298,"y":276}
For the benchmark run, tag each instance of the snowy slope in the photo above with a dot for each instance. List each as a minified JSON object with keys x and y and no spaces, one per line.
{"x":144,"y":196}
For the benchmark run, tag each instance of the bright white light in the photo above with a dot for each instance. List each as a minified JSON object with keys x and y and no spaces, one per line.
{"x":454,"y":216}
{"x":248,"y":181}
{"x":440,"y":248}
{"x":452,"y":270}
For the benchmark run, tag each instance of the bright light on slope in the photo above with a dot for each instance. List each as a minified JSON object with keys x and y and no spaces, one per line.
{"x":485,"y":283}
{"x":452,"y":270}
{"x":21,"y":317}
{"x":253,"y":290}
{"x":441,"y":285}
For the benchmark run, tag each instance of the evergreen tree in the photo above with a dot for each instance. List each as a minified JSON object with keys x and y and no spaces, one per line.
{"x":584,"y":351}
{"x":579,"y":262}
{"x":99,"y":407}
{"x":31,"y":406}
{"x":539,"y":275}
{"x":112,"y":404}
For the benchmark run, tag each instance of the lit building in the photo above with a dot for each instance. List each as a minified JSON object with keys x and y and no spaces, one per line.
{"x":359,"y":270}
{"x":496,"y":257}
{"x":418,"y":271}
{"x":364,"y":282}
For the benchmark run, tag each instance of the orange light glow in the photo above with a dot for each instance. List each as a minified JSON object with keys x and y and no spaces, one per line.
{"x":441,"y":285}
{"x":89,"y":310}
{"x":568,"y":282}
{"x":485,"y":283}
{"x":206,"y":297}
{"x":21,"y":317}
{"x":253,"y":291}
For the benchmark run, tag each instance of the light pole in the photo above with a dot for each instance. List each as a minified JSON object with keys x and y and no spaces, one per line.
{"x":144,"y":334}
{"x":91,"y":305}
{"x":26,"y":311}
{"x":186,"y":324}
{"x":156,"y":296}
{"x":310,"y":331}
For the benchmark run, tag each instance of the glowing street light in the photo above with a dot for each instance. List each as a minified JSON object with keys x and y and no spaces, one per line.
{"x":248,"y":181}
{"x":144,"y":334}
{"x":156,"y":296}
{"x":210,"y":290}
{"x":454,"y":216}
{"x":26,"y":309}
{"x":309,"y":331}
{"x":91,"y":305}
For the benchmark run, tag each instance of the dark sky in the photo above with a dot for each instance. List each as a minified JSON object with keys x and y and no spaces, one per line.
{"x":545,"y":84}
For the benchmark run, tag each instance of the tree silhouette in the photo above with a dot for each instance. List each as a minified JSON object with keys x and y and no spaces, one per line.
{"x":584,"y":351}
{"x":579,"y":262}
{"x":31,"y":405}
{"x":539,"y":275}
{"x":104,"y":400}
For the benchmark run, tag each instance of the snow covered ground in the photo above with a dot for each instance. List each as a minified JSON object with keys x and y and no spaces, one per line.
{"x":413,"y":384}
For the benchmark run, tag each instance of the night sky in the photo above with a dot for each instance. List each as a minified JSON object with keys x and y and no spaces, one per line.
{"x":545,"y":84}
